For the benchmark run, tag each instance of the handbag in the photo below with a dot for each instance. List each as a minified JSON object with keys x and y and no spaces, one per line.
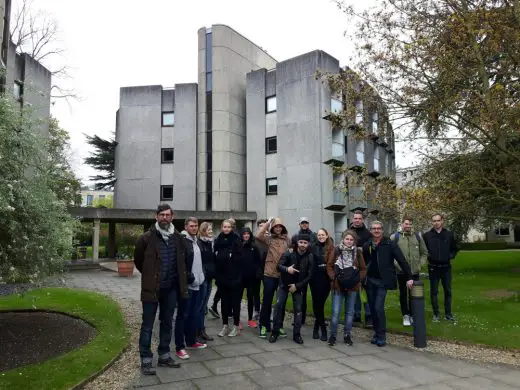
{"x":347,"y":278}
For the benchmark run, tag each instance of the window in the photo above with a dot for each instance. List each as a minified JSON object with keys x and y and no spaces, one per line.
{"x":168,"y":119}
{"x":270,"y":104}
{"x":336,"y":106}
{"x":101,"y":197}
{"x":90,"y":200}
{"x":359,"y":112}
{"x":17,"y":90}
{"x":375,"y":122}
{"x":270,"y":145}
{"x":271,"y":186}
{"x":360,"y":151}
{"x":502,"y":231}
{"x":166,"y":192}
{"x":376,"y":158}
{"x":167,"y":155}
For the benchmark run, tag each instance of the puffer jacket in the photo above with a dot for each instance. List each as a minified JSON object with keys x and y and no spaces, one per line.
{"x":228,"y":260}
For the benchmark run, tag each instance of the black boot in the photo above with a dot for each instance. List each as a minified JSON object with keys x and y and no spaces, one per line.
{"x":316,"y":331}
{"x":205,"y":336}
{"x":147,"y":369}
{"x":323,"y":333}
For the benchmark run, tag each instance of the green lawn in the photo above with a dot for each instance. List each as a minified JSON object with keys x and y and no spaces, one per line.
{"x":67,"y":370}
{"x":486,"y":301}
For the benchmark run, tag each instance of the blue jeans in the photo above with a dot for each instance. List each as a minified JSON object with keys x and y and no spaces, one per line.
{"x":204,"y":291}
{"x":376,"y":294}
{"x":357,"y":308}
{"x":270,"y":287}
{"x":349,"y":300}
{"x":166,"y":305}
{"x":186,"y":320}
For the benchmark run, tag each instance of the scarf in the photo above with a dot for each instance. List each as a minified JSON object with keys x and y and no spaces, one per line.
{"x":348,"y":257}
{"x":165,"y":234}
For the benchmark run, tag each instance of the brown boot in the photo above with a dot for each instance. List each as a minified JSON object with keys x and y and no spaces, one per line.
{"x":204,"y":335}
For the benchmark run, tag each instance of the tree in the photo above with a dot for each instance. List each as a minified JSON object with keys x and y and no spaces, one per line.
{"x":106,"y":203}
{"x":102,"y":159}
{"x":64,"y":182}
{"x":34,"y":32}
{"x":448,"y":73}
{"x":35,"y":226}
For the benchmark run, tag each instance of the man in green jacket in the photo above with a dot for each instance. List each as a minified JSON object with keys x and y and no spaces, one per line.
{"x":414,"y":249}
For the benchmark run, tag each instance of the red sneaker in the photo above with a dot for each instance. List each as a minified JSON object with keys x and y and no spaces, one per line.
{"x":251,"y":323}
{"x":182,"y":354}
{"x":197,"y":345}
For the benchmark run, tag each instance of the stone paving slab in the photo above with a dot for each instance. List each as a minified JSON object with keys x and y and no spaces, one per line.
{"x":248,"y":362}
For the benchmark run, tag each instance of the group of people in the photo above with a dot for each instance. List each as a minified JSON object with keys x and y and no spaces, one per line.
{"x":178,"y":271}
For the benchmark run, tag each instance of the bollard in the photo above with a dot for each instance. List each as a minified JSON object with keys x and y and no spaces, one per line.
{"x":419,"y":318}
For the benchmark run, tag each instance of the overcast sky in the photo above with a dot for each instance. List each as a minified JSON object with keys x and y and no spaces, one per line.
{"x":115,"y":43}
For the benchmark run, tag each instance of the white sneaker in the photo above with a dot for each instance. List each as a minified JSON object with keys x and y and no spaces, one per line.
{"x":234,"y":331}
{"x":224,"y":331}
{"x":406,"y":320}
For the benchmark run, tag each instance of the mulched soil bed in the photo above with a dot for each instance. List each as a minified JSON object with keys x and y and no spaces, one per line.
{"x":33,"y":337}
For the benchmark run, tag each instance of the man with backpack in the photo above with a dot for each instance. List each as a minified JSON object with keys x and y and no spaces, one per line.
{"x":416,"y":254}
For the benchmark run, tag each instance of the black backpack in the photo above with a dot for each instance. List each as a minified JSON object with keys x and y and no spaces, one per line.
{"x":347,"y":278}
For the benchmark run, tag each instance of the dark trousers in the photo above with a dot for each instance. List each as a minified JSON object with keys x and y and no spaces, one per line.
{"x":204,"y":291}
{"x":187,"y":320}
{"x":216,"y":298}
{"x":304,"y":304}
{"x":320,"y":289}
{"x":281,"y":301}
{"x":405,"y":294}
{"x":166,"y":305}
{"x":231,"y":301}
{"x":442,"y":274}
{"x":376,"y":294}
{"x":208,"y":293}
{"x":252,"y":287}
{"x":270,"y":286}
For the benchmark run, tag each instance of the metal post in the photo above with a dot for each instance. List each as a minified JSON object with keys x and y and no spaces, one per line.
{"x":419,"y":318}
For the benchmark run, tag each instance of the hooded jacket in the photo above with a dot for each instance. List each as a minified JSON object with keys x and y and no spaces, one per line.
{"x":276,"y":247}
{"x":148,"y":262}
{"x":251,"y":260}
{"x":228,"y":262}
{"x":197,"y":269}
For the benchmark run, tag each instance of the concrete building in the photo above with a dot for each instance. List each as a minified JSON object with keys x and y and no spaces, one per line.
{"x":252,"y":135}
{"x":293,"y":175}
{"x":89,"y":197}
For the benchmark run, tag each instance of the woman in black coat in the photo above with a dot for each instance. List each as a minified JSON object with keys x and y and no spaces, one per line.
{"x":252,"y":274}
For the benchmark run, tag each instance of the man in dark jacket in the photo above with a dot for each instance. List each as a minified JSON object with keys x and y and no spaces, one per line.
{"x":296,"y":270}
{"x":304,"y":229}
{"x":160,"y":255}
{"x":379,"y":253}
{"x":363,"y":235}
{"x":441,"y":250}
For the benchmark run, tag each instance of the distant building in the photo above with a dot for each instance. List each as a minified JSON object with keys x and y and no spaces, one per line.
{"x":90,"y":197}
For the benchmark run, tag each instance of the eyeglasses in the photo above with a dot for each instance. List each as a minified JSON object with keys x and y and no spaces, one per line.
{"x":376,"y":228}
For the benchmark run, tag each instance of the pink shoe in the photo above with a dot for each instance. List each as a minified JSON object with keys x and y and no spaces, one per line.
{"x":251,"y":323}
{"x":197,"y":345}
{"x":182,"y":354}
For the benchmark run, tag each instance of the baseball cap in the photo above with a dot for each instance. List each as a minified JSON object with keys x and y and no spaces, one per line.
{"x":304,"y":219}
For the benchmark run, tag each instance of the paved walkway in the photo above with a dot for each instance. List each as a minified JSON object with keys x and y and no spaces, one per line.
{"x":247,"y":362}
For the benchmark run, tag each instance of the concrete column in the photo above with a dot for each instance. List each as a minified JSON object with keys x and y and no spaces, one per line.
{"x":112,"y":240}
{"x":95,"y":240}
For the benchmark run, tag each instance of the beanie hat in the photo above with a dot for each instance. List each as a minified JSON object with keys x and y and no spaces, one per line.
{"x":304,"y":237}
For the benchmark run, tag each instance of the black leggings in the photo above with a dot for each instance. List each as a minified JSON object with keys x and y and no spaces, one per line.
{"x":231,"y":301}
{"x":252,"y":287}
{"x":320,"y":289}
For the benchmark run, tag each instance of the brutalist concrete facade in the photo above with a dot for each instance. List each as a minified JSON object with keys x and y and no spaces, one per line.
{"x":244,"y":100}
{"x":307,"y":146}
{"x":155,"y":158}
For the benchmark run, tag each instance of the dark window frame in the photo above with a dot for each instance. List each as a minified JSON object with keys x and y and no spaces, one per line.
{"x":163,"y":160}
{"x":266,"y":100}
{"x":267,"y":186}
{"x":267,"y":149}
{"x":162,"y":118}
{"x":162,"y":188}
